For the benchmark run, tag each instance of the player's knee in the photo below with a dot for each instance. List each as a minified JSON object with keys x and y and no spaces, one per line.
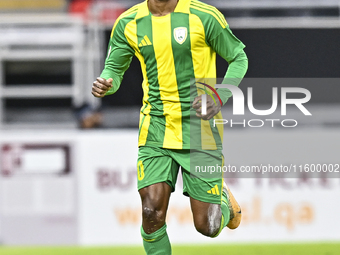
{"x":208,"y":223}
{"x":207,"y":228}
{"x":153,"y":214}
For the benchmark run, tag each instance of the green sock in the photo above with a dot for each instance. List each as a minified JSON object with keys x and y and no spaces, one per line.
{"x":225,"y":213}
{"x":156,"y":243}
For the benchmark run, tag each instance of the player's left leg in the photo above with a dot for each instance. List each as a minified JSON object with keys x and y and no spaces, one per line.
{"x":210,"y":218}
{"x":207,"y":217}
{"x":213,"y":205}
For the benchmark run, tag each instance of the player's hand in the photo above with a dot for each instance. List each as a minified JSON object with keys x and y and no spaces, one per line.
{"x":212,"y":108}
{"x":101,"y":86}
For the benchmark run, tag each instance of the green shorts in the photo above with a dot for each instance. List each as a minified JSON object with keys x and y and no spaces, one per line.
{"x":201,"y":171}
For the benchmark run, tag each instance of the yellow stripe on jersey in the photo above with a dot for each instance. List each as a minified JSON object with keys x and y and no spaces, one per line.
{"x":206,"y":136}
{"x":198,"y":45}
{"x":183,"y":6}
{"x":203,"y":57}
{"x":123,"y":15}
{"x":203,"y":67}
{"x":143,"y":10}
{"x":167,"y":81}
{"x":131,"y":35}
{"x":213,"y":9}
{"x":206,"y":133}
{"x":144,"y":128}
{"x":197,"y":7}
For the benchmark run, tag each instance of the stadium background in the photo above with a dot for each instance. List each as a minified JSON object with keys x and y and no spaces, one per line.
{"x":67,"y":160}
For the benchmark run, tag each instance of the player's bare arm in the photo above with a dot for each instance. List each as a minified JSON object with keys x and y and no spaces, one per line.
{"x":101,"y":86}
{"x":212,"y":108}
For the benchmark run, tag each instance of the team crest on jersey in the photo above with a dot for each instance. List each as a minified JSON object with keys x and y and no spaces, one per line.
{"x":180,"y":34}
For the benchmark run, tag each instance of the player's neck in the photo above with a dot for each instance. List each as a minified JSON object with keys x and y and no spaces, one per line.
{"x":162,"y":7}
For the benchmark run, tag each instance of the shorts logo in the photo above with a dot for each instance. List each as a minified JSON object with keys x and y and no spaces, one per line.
{"x":214,"y":190}
{"x":180,"y":34}
{"x":140,"y":170}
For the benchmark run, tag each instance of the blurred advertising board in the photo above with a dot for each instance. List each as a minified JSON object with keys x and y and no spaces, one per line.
{"x":81,"y":188}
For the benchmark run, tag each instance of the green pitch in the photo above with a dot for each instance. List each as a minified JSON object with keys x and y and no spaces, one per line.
{"x":240,"y":249}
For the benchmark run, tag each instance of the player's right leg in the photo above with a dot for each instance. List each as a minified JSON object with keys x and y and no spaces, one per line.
{"x":155,"y":200}
{"x":157,"y":174}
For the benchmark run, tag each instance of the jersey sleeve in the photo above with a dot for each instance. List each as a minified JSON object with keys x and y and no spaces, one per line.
{"x":119,"y":56}
{"x":229,"y":47}
{"x":225,"y":43}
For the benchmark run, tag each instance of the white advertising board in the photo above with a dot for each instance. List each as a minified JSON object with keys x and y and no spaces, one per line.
{"x":106,"y":205}
{"x":274,"y":209}
{"x":38,"y":203}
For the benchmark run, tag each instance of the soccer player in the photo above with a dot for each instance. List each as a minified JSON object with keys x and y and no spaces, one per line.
{"x":175,"y":41}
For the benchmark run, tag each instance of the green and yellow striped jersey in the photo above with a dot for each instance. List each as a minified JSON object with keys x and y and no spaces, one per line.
{"x":172,"y":50}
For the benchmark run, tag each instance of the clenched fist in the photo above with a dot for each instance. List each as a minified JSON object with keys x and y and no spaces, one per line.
{"x":212,"y":108}
{"x":101,"y":86}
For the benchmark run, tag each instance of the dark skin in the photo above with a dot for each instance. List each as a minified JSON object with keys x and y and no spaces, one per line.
{"x":155,"y":198}
{"x":212,"y":108}
{"x":100,"y":86}
{"x":162,"y":7}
